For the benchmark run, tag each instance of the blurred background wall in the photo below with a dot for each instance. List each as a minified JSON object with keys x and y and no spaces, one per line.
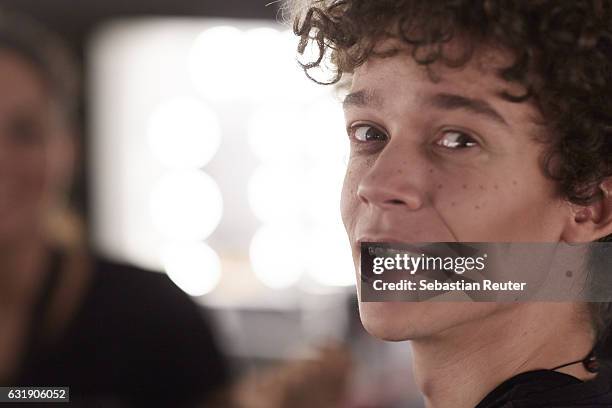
{"x":77,"y":20}
{"x":209,"y":156}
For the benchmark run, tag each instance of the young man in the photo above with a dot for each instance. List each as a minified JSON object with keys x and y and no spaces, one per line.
{"x":478,"y":121}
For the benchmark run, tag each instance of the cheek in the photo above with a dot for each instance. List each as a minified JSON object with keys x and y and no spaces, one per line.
{"x":30,"y":176}
{"x":349,"y":202}
{"x":24,"y":180}
{"x":35,"y":173}
{"x":497,"y":208}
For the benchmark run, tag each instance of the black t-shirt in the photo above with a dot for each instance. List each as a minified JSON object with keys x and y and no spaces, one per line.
{"x":545,"y":388}
{"x":136,"y":340}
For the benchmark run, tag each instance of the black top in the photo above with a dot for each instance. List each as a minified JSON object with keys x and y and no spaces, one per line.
{"x":136,"y":340}
{"x":545,"y":388}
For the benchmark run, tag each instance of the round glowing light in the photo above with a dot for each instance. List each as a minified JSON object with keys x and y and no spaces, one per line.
{"x":277,"y":256}
{"x":262,"y":41}
{"x":331,"y":262}
{"x":322,"y":192}
{"x":193,"y":266}
{"x":186,"y":205}
{"x":268,"y":76}
{"x":184,"y":133}
{"x":324,"y":120}
{"x":275,"y":193}
{"x":217,"y":63}
{"x":273,"y":136}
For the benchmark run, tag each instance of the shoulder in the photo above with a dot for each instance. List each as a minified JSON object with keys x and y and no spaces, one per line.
{"x":121,"y":276}
{"x":122,"y":284}
{"x":544,"y":388}
{"x":139,"y":301}
{"x":167,"y":333}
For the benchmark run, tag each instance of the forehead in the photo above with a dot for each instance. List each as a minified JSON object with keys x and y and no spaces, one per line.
{"x":19,"y":80}
{"x":399,"y":82}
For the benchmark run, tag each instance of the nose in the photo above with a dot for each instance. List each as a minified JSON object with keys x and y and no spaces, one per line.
{"x":394,"y":182}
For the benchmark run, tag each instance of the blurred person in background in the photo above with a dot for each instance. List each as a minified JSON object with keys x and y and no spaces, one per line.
{"x":355,"y":372}
{"x":114,"y":333}
{"x":479,"y":121}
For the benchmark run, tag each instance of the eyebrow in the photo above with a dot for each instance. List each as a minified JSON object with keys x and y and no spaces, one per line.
{"x":363,"y":98}
{"x":445,"y":101}
{"x":454,"y":102}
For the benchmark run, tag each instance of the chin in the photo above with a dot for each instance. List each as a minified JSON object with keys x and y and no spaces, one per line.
{"x":391,"y":321}
{"x":400,"y":321}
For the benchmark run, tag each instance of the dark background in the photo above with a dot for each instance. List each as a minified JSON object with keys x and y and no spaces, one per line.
{"x":76,"y":20}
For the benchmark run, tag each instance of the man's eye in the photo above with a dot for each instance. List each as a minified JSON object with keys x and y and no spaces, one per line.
{"x":367,"y":133}
{"x":453,"y":139}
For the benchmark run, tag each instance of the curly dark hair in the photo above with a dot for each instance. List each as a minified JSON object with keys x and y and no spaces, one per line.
{"x":562,"y":58}
{"x":567,"y":44}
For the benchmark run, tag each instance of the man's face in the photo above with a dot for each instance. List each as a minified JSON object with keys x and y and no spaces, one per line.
{"x":440,"y":162}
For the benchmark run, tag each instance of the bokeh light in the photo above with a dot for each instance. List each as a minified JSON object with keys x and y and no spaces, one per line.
{"x":276,"y":193}
{"x":193,"y":266}
{"x":266,"y":77}
{"x":323,"y":131}
{"x":274,"y":133}
{"x":186,"y":204}
{"x":324,"y":187}
{"x":331,"y":263}
{"x":278,"y":255}
{"x":216,"y":63}
{"x":184,"y":133}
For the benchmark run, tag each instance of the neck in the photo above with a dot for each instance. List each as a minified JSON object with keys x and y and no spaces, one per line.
{"x":459,"y":367}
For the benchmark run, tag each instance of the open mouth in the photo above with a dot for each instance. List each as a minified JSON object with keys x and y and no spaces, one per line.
{"x":396,"y":262}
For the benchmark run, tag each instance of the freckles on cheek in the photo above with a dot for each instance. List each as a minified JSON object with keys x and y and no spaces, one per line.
{"x":478,"y":208}
{"x":466,"y":197}
{"x":474,"y":197}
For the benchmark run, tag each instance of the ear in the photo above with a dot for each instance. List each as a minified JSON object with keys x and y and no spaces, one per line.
{"x":588,"y":223}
